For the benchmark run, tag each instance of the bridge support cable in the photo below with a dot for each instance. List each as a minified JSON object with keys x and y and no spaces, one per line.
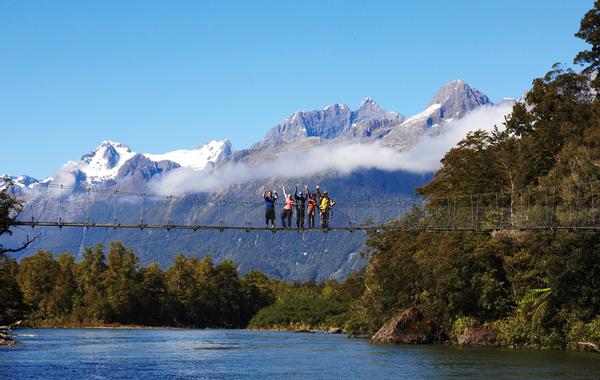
{"x":566,"y":207}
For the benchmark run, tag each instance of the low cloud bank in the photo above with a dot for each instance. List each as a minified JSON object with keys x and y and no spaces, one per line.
{"x":425,"y":156}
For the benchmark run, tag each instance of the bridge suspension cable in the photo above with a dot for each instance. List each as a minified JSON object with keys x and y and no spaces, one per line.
{"x":564,"y":207}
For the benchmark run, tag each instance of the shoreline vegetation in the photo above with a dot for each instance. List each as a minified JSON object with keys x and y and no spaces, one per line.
{"x":520,"y":289}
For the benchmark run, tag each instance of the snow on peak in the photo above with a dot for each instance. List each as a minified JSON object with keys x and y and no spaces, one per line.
{"x":115,"y":144}
{"x":19,"y":181}
{"x":196,"y":159}
{"x":368,"y":99}
{"x":104,"y":162}
{"x":423,"y":115}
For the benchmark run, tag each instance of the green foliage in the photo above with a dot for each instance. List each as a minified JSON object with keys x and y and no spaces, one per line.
{"x":461,"y":323}
{"x":584,"y":332}
{"x":52,"y":291}
{"x":12,"y":306}
{"x":11,"y":297}
{"x":533,"y":324}
{"x":310,"y":306}
{"x":589,"y":31}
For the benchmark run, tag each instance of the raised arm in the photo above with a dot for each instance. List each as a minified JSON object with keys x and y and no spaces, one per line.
{"x":284,"y":193}
{"x":295,"y":192}
{"x":319,"y":192}
{"x":307,"y":191}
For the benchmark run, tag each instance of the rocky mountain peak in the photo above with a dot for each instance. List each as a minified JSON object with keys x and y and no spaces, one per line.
{"x":368,"y":104}
{"x":457,"y":98}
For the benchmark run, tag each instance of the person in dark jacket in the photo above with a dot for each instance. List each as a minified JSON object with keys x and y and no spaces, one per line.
{"x":270,"y":198}
{"x":300,"y":206}
{"x":313,"y":205}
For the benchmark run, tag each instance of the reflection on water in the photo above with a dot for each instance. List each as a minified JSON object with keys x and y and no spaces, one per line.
{"x":232,"y":354}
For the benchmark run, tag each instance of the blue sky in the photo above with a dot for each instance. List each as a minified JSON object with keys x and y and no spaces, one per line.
{"x":164,"y":75}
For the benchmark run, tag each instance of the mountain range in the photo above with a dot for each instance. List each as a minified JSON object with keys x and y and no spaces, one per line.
{"x":113,"y":165}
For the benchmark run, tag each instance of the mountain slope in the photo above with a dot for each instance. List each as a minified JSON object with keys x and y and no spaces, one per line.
{"x":451,"y":102}
{"x":115,"y":166}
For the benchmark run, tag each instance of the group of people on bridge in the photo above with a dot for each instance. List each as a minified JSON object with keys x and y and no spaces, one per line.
{"x":303,"y":202}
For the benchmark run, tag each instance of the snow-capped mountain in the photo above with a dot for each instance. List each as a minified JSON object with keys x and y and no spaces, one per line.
{"x":451,"y":102}
{"x":114,"y":163}
{"x":332,"y":122}
{"x":104,"y":162}
{"x":196,"y":159}
{"x":20,"y":181}
{"x":369,"y":122}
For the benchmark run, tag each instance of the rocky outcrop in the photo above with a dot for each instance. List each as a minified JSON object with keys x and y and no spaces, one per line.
{"x":5,"y":338}
{"x":409,"y":327}
{"x":477,"y":337}
{"x":588,"y":346}
{"x":334,"y":330}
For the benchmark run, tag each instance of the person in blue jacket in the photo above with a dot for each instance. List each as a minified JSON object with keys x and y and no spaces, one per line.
{"x":270,"y":198}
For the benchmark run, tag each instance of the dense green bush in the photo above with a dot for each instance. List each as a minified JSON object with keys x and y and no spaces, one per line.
{"x":312,"y":307}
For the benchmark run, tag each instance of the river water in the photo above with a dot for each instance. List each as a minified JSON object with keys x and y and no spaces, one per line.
{"x":238,"y":354}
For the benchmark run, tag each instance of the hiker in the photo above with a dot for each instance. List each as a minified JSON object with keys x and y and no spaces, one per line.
{"x":312,"y":207}
{"x":270,"y":198}
{"x":300,"y":199}
{"x":286,"y":214}
{"x":324,"y":207}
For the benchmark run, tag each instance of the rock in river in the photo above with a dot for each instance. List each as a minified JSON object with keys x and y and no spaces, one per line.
{"x":477,"y":337}
{"x":410,"y":327}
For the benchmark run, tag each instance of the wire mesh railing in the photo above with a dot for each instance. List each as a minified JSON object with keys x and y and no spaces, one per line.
{"x":569,"y":206}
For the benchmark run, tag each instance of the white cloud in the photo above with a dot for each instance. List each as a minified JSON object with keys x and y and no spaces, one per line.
{"x":425,"y":156}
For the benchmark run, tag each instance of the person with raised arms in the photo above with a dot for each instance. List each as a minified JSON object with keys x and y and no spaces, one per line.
{"x":324,"y":207}
{"x":286,"y":214}
{"x":270,"y":198}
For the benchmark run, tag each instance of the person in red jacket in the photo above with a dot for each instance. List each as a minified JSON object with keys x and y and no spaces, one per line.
{"x":311,"y":208}
{"x":286,"y":214}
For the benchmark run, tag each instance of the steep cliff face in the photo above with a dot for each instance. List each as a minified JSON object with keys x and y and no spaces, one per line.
{"x":451,"y":102}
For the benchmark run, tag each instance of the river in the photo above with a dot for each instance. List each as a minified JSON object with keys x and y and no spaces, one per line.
{"x":238,"y":354}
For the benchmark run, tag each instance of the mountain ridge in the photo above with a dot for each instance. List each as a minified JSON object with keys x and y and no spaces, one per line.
{"x":114,"y":165}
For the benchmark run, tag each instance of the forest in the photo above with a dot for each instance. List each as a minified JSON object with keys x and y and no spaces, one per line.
{"x":111,"y":288}
{"x":538,"y":289}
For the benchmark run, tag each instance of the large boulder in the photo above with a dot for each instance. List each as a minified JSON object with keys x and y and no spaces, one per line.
{"x":409,"y":327}
{"x":477,"y":337}
{"x":6,"y":339}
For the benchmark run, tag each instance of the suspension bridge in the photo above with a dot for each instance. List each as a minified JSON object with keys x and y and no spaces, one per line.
{"x":567,"y":207}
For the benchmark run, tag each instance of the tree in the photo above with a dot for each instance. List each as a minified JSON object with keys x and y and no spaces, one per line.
{"x":91,"y":300}
{"x":10,"y":208}
{"x":11,"y":297}
{"x":36,"y":277}
{"x":589,"y":31}
{"x":257,"y":293}
{"x":65,"y":286}
{"x":229,"y":296}
{"x":122,"y":281}
{"x":155,"y":304}
{"x":183,"y":289}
